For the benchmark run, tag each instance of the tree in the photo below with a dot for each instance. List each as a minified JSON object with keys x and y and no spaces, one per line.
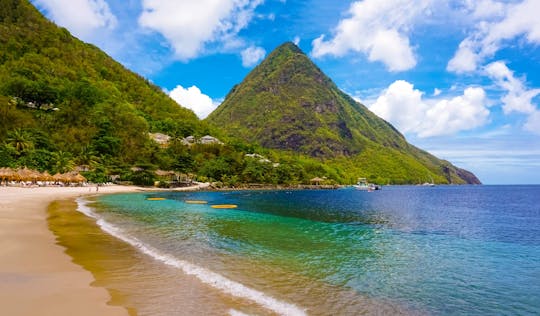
{"x":62,"y":161}
{"x":20,"y":140}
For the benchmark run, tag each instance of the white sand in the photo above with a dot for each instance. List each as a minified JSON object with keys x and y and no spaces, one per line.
{"x":36,"y":276}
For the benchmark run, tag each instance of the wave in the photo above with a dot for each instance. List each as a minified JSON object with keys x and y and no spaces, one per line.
{"x":206,"y":276}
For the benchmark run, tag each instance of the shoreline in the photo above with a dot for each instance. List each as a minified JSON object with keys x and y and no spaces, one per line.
{"x":37,"y":277}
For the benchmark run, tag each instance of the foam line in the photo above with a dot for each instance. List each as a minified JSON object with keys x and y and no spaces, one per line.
{"x":206,"y":276}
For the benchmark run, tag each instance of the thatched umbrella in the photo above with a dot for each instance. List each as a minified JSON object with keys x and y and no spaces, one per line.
{"x":45,"y":176}
{"x":78,"y":178}
{"x":10,"y":174}
{"x":316,"y":180}
{"x":35,"y":175}
{"x":25,"y":174}
{"x":3,"y":174}
{"x":58,"y":177}
{"x":66,"y":177}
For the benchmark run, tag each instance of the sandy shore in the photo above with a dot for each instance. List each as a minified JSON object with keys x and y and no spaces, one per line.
{"x":36,"y":276}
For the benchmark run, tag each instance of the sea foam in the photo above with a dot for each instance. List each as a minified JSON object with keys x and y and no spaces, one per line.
{"x":204,"y":275}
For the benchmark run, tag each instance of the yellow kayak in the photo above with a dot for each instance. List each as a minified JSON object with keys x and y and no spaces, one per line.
{"x":195,"y":202}
{"x":156,"y":199}
{"x":224,"y":206}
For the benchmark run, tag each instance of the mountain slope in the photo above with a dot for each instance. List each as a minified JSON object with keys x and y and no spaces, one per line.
{"x":69,"y":96}
{"x":288,"y":103}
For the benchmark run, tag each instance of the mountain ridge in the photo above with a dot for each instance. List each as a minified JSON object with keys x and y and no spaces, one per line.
{"x":288,"y":103}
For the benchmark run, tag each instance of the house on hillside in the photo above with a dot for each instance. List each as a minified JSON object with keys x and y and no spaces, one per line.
{"x":161,"y":139}
{"x":205,"y":140}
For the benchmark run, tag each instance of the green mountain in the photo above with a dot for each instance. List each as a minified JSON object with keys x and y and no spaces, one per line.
{"x":288,"y":103}
{"x":61,"y":95}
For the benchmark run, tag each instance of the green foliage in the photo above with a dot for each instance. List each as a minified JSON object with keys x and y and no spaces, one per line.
{"x":288,"y":103}
{"x":65,"y":103}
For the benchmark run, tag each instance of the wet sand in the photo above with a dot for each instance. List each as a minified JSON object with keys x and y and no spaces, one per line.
{"x":36,"y":276}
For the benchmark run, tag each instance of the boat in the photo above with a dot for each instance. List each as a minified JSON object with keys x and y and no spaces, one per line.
{"x":363,"y":185}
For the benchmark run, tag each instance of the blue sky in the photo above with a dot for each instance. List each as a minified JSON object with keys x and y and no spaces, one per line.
{"x":460,"y":79}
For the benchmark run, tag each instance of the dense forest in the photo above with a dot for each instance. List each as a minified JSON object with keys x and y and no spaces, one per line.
{"x":65,"y":105}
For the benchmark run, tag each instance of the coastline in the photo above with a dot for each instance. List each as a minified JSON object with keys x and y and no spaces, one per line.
{"x":37,"y":277}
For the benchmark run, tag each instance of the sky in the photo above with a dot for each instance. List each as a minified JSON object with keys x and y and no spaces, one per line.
{"x":460,"y":79}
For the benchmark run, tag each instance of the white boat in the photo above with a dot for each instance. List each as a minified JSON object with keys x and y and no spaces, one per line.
{"x":363,"y":185}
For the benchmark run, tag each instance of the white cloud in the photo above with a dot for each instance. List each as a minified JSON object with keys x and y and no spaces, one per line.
{"x":191,"y":25}
{"x":436,"y":92}
{"x":378,"y":29}
{"x":252,"y":55}
{"x":296,"y":40}
{"x":518,"y":97}
{"x":497,"y":23}
{"x":192,"y":98}
{"x":81,"y":17}
{"x":407,"y":109}
{"x":533,"y":123}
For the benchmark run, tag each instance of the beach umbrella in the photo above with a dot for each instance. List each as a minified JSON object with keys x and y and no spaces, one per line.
{"x":45,"y":176}
{"x":3,"y":174}
{"x":57,"y":177}
{"x":78,"y":178}
{"x":10,"y":174}
{"x":35,"y":175}
{"x":25,"y":174}
{"x":66,"y":177}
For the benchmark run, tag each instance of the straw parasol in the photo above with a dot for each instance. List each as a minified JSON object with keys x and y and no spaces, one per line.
{"x":25,"y":174}
{"x":3,"y":174}
{"x":45,"y":176}
{"x":58,"y":177}
{"x":316,"y":180}
{"x":78,"y":178}
{"x":10,"y":174}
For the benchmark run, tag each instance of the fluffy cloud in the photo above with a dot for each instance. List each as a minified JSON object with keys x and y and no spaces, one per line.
{"x":378,"y":29}
{"x":518,"y":98}
{"x":496,"y":24}
{"x":192,"y":98}
{"x":81,"y":17}
{"x":252,"y":55}
{"x":533,"y":123}
{"x":407,"y":109}
{"x":189,"y":25}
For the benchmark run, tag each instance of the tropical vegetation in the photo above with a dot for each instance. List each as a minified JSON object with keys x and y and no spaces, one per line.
{"x":65,"y":105}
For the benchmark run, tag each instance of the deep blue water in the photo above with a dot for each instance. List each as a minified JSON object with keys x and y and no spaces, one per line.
{"x":461,"y":250}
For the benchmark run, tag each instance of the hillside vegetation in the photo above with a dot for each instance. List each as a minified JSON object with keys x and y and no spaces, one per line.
{"x":65,"y":104}
{"x":288,"y":103}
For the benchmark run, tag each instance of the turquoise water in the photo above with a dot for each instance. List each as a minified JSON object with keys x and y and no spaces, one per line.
{"x":414,"y":250}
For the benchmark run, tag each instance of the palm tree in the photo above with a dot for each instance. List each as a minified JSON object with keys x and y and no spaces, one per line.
{"x":87,"y":157}
{"x":20,"y":140}
{"x":62,"y":161}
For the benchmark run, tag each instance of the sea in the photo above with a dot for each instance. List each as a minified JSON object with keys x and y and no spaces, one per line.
{"x":403,"y":250}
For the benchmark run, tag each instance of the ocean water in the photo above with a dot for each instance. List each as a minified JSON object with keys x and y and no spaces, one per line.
{"x":458,"y":250}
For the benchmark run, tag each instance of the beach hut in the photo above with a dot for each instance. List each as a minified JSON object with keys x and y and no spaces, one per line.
{"x":316,"y":181}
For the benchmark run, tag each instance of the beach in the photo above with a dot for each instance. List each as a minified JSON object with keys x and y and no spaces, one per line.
{"x":36,"y":276}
